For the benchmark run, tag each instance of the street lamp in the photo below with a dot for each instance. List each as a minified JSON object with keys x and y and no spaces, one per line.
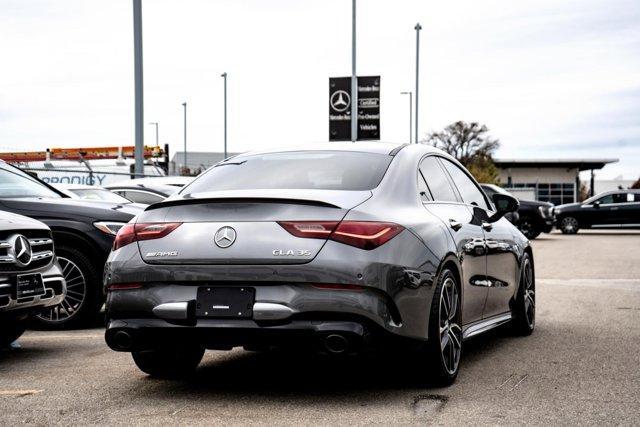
{"x":354,"y":77}
{"x":418,"y":27}
{"x":184,"y":105}
{"x":224,"y":76}
{"x":138,"y":88}
{"x":410,"y":114}
{"x":156,"y":124}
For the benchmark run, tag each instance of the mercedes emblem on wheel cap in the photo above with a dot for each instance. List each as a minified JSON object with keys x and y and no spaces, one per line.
{"x":225,"y":237}
{"x":22,"y":250}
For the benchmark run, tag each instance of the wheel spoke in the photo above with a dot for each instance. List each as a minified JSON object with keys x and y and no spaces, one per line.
{"x":444,"y":341}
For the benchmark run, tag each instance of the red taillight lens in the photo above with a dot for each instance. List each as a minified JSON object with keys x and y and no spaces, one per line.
{"x":134,"y":232}
{"x":126,"y":235}
{"x":365,"y":235}
{"x":310,"y":229}
{"x":361,"y":234}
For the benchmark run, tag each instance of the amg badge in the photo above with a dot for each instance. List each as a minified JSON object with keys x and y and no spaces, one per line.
{"x":161,"y":254}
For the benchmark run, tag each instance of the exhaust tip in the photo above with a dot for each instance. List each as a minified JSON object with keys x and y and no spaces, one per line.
{"x":122,"y":340}
{"x":336,"y":344}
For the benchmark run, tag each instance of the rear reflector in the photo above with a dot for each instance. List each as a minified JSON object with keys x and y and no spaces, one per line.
{"x":130,"y":233}
{"x":123,"y":286}
{"x":361,"y":234}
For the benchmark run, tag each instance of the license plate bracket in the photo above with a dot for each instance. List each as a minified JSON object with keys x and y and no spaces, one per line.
{"x":225,"y":302}
{"x":29,"y":285}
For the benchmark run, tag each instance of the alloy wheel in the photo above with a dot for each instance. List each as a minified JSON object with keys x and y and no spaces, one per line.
{"x":450,"y":331}
{"x":569,"y":225}
{"x":529,"y":293}
{"x":76,"y":293}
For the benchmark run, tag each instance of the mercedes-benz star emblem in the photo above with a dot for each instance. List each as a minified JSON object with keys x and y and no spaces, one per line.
{"x":22,"y":250}
{"x":225,"y":237}
{"x":340,"y":101}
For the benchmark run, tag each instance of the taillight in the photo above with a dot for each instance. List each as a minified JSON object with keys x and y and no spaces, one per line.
{"x":130,"y":233}
{"x":309,"y":229}
{"x":361,"y":234}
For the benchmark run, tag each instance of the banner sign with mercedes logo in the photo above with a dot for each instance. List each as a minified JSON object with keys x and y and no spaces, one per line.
{"x":340,"y":108}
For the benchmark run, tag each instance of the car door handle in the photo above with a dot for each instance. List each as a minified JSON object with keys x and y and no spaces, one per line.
{"x":456,"y":225}
{"x":487,"y":226}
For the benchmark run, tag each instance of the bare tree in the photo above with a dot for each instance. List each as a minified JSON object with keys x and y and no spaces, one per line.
{"x":636,"y":184}
{"x":471,"y":145}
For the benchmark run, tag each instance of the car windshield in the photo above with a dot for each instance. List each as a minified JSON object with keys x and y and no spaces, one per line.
{"x":16,"y":183}
{"x":98,"y":194}
{"x":312,"y":170}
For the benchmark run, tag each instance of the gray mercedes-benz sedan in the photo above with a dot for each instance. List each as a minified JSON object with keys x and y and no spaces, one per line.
{"x":337,"y":247}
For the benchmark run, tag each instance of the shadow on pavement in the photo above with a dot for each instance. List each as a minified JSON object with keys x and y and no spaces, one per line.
{"x":307,"y":376}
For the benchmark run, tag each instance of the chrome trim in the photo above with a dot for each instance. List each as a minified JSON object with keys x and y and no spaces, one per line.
{"x":6,"y":259}
{"x":40,"y":241}
{"x":485,"y":325}
{"x":5,"y":245}
{"x":171,"y":310}
{"x":41,"y":255}
{"x":271,"y":311}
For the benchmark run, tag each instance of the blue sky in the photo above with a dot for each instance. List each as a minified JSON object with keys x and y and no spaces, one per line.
{"x":551,"y":79}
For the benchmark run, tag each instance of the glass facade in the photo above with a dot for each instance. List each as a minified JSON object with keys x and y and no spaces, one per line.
{"x":556,"y":193}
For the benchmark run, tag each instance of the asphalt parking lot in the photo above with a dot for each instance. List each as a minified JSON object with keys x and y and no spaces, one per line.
{"x":579,"y":367}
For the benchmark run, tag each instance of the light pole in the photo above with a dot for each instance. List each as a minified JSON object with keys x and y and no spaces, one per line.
{"x":184,"y":105}
{"x":224,"y":76}
{"x":156,"y":124}
{"x":137,"y":70}
{"x":354,"y":78}
{"x":418,"y":27}
{"x":410,"y":114}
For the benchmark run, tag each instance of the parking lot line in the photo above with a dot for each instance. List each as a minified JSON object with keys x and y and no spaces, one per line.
{"x":19,"y":392}
{"x":60,"y":336}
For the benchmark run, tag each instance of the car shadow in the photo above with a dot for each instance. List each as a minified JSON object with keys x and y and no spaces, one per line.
{"x":308,"y":376}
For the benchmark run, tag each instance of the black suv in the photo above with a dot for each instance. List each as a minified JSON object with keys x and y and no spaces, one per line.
{"x":535,"y":217}
{"x":613,"y":209}
{"x":83,"y":233}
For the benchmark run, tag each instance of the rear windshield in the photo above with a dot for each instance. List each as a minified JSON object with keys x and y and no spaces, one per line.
{"x":321,"y":170}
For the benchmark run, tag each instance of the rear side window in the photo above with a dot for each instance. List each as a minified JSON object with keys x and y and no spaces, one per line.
{"x":143,"y":197}
{"x":437,"y":180}
{"x":323,"y":170}
{"x":469,"y":191}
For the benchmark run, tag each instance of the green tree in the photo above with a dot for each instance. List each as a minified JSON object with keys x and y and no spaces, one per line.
{"x":471,"y":145}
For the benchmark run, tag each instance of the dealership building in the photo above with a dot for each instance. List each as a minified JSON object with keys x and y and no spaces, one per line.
{"x":556,"y":180}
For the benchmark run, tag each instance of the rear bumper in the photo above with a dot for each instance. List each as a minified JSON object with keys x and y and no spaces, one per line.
{"x":140,"y":334}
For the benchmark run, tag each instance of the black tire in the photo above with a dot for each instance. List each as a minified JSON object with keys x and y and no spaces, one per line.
{"x":444,"y":348}
{"x":528,"y":228}
{"x":524,"y":307}
{"x":569,"y":225}
{"x":169,"y":362}
{"x":81,"y":306}
{"x":11,"y":330}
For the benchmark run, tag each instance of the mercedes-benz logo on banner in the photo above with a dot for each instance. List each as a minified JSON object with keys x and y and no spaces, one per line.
{"x":225,"y":237}
{"x":22,"y":250}
{"x":340,"y":100}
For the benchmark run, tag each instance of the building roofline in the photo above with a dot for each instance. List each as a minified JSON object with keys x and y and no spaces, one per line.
{"x":580,"y":164}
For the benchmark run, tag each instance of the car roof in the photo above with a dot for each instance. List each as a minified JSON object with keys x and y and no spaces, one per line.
{"x":366,"y":147}
{"x":78,"y":187}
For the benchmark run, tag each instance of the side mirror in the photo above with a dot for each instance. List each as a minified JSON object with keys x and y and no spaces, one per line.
{"x":596,"y":204}
{"x":504,"y":204}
